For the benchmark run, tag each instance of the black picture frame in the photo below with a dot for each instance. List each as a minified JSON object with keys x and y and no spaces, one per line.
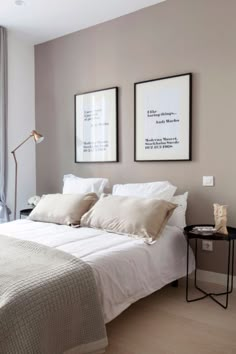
{"x":187,"y":155}
{"x":106,"y":95}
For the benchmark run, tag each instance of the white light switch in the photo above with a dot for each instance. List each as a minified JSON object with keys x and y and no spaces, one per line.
{"x":208,"y":181}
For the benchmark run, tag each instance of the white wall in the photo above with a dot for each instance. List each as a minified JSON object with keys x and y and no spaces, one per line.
{"x":21,"y":119}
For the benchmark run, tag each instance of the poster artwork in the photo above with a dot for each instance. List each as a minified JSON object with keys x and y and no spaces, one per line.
{"x":96,"y":126}
{"x":94,"y":121}
{"x":162,"y":119}
{"x":162,"y":123}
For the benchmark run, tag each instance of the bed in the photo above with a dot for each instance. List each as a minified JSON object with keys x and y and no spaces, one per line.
{"x":74,"y":280}
{"x":125,"y":269}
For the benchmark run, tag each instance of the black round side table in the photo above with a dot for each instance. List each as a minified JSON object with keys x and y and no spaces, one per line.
{"x":191,"y":234}
{"x":25,"y":212}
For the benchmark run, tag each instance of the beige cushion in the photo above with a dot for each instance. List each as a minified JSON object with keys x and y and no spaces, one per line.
{"x":64,"y":209}
{"x":140,"y":217}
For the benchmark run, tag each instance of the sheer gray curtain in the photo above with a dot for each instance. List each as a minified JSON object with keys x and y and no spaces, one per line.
{"x":4,"y":212}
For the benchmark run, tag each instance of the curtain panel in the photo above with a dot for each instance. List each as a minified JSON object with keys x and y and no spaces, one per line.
{"x":4,"y":211}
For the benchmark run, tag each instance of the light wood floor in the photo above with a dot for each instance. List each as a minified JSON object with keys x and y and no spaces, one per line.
{"x":164,"y":323}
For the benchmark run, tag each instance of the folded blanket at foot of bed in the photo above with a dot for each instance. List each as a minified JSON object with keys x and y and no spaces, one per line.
{"x":48,"y":301}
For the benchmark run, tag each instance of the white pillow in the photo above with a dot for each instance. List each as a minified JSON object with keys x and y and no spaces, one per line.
{"x":160,"y":190}
{"x":78,"y":185}
{"x":178,"y":217}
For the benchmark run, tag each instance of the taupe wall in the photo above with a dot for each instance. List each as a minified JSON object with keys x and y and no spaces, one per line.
{"x":174,"y":37}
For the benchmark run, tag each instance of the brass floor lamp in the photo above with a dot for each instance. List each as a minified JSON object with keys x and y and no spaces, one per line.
{"x":38,"y":138}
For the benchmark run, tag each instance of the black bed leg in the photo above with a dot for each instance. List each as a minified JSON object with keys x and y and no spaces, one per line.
{"x":175,"y":284}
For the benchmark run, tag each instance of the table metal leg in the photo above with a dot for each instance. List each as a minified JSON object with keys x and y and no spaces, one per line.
{"x":232,"y":269}
{"x":187,"y":269}
{"x":227,"y":289}
{"x":229,"y":285}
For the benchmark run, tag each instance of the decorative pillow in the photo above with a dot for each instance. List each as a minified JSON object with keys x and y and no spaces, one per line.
{"x":140,"y":217}
{"x":78,"y":185}
{"x":160,"y":190}
{"x":178,"y":217}
{"x":64,"y":209}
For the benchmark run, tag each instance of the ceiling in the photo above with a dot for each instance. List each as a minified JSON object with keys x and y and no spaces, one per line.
{"x":42,"y":20}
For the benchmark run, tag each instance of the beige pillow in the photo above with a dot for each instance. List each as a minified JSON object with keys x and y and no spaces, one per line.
{"x":64,"y":209}
{"x":140,"y":217}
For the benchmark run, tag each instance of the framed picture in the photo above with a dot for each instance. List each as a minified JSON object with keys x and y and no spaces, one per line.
{"x":163,"y":119}
{"x":96,"y":126}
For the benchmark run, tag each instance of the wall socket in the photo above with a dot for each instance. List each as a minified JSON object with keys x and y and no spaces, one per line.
{"x":207,"y":245}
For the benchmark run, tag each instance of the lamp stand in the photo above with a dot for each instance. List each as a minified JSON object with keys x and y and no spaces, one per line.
{"x":37,"y":138}
{"x":16,"y":173}
{"x":15,"y":196}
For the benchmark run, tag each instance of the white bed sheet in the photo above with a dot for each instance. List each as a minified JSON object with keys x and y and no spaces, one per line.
{"x":125,"y":269}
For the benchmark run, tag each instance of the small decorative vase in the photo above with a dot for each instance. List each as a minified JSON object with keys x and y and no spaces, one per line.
{"x":220,"y":214}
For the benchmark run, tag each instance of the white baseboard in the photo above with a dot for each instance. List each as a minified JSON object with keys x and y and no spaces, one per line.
{"x":212,"y":277}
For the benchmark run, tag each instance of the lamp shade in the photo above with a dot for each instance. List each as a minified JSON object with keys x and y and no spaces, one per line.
{"x":38,"y":138}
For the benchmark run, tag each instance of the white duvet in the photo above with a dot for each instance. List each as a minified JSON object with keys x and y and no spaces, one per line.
{"x":125,"y":269}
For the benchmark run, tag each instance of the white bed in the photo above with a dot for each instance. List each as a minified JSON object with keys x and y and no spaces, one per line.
{"x":125,"y":269}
